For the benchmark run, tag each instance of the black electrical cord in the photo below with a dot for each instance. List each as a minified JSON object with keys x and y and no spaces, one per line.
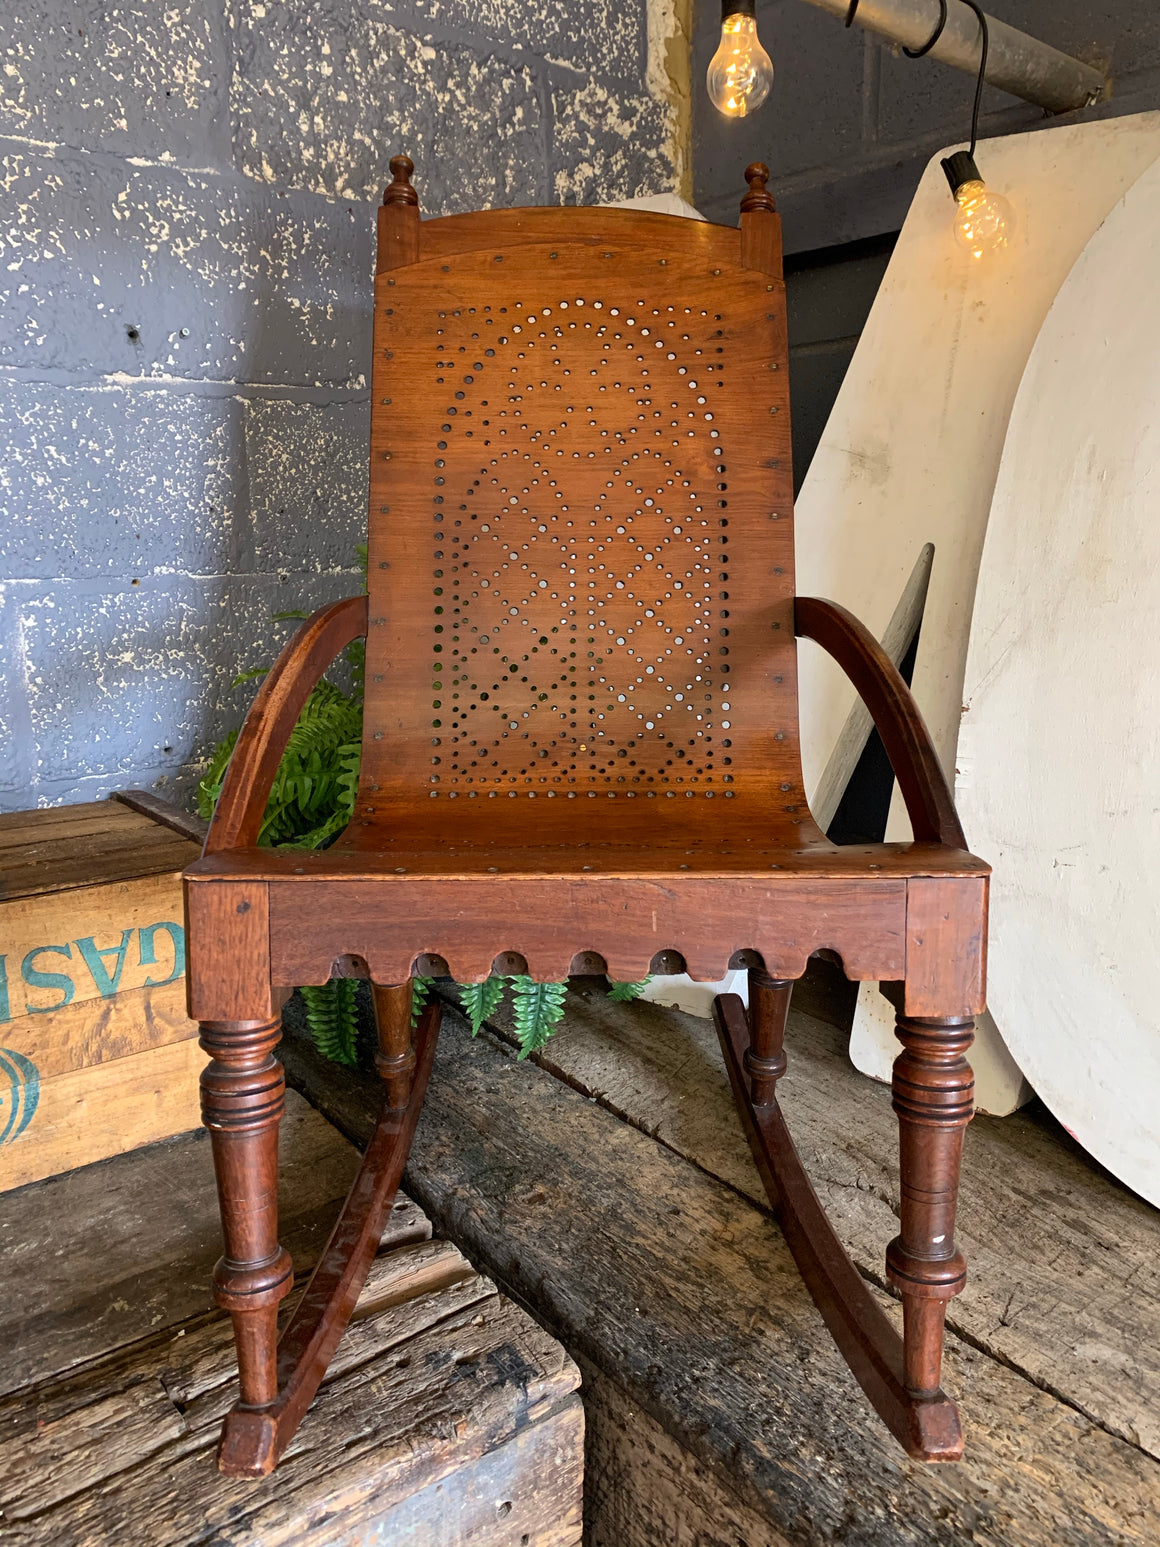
{"x":920,"y":53}
{"x":985,"y":49}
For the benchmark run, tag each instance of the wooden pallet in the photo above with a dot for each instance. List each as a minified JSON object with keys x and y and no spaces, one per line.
{"x":611,"y":1189}
{"x":448,"y":1416}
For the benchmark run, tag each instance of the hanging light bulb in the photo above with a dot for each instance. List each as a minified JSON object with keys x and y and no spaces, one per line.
{"x":984,"y":222}
{"x":740,"y":72}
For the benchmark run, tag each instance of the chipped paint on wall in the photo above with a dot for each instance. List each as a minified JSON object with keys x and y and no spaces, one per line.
{"x":185,"y":282}
{"x":670,"y":57}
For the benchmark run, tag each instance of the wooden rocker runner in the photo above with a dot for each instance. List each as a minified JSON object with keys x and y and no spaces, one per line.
{"x":580,"y":754}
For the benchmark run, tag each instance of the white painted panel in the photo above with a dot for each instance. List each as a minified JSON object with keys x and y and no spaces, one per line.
{"x":1059,"y":753}
{"x":911,"y":450}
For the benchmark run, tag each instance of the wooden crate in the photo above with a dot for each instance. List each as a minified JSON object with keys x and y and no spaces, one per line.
{"x":97,"y":1054}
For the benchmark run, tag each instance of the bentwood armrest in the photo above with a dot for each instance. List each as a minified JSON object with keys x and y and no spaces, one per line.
{"x":879,"y":684}
{"x":273,"y":715}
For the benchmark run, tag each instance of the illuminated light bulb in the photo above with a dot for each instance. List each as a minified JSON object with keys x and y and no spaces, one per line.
{"x":984,"y":222}
{"x":740,"y":72}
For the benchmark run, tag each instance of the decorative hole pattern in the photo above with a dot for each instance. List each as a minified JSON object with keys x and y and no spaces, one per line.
{"x":576,"y":592}
{"x":570,"y":497}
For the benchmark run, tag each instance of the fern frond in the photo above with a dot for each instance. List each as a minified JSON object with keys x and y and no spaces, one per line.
{"x":356,"y":660}
{"x":479,"y":1001}
{"x":333,"y":1022}
{"x":537,"y":1008}
{"x":210,"y":786}
{"x":249,"y":676}
{"x":420,"y":993}
{"x":623,"y":993}
{"x":312,"y":799}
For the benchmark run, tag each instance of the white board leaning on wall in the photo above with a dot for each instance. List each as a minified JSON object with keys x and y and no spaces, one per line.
{"x":911,"y":452}
{"x":1059,"y":753}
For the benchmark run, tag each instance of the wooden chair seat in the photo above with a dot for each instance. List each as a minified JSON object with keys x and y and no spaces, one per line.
{"x":580,"y":754}
{"x":592,"y":906}
{"x":383,"y":854}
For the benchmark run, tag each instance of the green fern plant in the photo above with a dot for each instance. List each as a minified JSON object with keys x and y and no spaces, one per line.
{"x":538,"y":1008}
{"x":330,"y":1013}
{"x":480,"y":1001}
{"x":311,"y":801}
{"x":624,"y":993}
{"x":420,"y":994}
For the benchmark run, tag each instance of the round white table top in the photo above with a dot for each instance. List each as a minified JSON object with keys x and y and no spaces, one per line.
{"x":1059,"y":750}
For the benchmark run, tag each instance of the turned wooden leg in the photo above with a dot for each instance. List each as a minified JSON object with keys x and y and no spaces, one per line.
{"x":934,"y":1099}
{"x":765,"y":1057}
{"x":395,"y":1059}
{"x":243,"y":1096}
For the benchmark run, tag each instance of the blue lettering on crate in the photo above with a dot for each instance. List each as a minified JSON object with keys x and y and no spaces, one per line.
{"x":19,"y":1092}
{"x":105,"y":965}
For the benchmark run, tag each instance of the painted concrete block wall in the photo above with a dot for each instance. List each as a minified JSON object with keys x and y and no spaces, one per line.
{"x":851,"y":123}
{"x":185,"y":290}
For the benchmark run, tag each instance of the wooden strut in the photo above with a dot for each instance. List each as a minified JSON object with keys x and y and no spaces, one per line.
{"x":900,"y":1377}
{"x":260,"y":1426}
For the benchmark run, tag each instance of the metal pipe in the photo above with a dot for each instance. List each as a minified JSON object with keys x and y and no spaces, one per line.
{"x":1018,"y":64}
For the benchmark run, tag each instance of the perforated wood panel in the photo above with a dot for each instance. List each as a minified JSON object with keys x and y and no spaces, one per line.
{"x":581,"y":537}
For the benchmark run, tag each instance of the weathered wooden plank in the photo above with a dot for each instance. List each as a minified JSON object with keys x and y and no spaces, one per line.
{"x":103,"y":1256}
{"x":641,"y":1488}
{"x":417,"y":1392}
{"x":682,"y":1291}
{"x":530,"y":1489}
{"x":164,"y":811}
{"x":91,"y":942}
{"x":97,"y":1032}
{"x":1064,"y":1268}
{"x":112,"y":844}
{"x":71,"y":1436}
{"x":89,"y":1114}
{"x":19,"y":829}
{"x":204,"y":1381}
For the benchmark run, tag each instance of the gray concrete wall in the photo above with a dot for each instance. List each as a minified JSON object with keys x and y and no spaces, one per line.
{"x":851,"y":123}
{"x":185,"y":311}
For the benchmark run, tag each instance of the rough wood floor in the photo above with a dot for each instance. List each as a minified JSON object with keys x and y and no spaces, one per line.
{"x":448,"y":1416}
{"x":607,"y":1186}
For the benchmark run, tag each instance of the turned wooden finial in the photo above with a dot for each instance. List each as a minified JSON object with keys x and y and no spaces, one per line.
{"x":758,"y":197}
{"x":399,"y":190}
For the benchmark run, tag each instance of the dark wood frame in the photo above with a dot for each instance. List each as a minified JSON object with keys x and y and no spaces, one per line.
{"x":400,"y":894}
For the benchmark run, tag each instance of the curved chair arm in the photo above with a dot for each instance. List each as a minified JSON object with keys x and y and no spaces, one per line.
{"x":237,"y":820}
{"x":929,"y":802}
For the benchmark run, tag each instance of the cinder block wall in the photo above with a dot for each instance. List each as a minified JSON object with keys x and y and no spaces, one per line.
{"x":188,"y":221}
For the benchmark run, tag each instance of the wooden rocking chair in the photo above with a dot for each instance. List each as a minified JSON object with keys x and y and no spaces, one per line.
{"x":580,"y":755}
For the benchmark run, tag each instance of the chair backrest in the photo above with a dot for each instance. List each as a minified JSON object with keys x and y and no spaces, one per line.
{"x":581,"y":538}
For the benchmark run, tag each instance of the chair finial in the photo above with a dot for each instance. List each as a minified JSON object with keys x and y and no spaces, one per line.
{"x":758,"y":197}
{"x":399,"y":190}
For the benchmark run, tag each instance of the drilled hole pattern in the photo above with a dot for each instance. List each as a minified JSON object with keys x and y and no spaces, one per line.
{"x":575,"y":544}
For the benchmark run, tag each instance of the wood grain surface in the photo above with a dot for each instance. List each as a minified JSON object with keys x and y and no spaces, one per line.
{"x":92,"y":940}
{"x":66,"y":846}
{"x":102,"y":1030}
{"x":131,"y":1268}
{"x":1064,"y":1284}
{"x":677,"y":1287}
{"x":85,"y":1115}
{"x":448,"y":1415}
{"x":426,"y":1386}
